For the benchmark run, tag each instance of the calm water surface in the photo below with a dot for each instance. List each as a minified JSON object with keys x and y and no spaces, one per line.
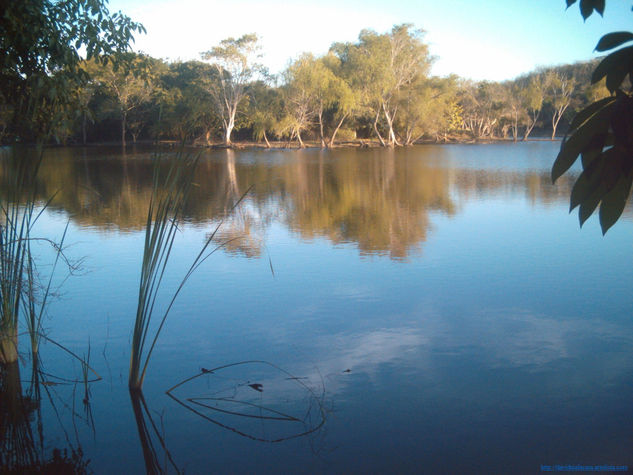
{"x":433,"y":309}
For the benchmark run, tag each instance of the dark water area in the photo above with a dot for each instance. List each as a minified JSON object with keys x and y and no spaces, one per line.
{"x":433,"y":309}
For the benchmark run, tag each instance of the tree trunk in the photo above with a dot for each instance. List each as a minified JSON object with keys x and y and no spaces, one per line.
{"x":382,"y":142}
{"x":229,"y":129}
{"x":83,"y":127}
{"x":123,"y":126}
{"x":227,"y":135}
{"x":301,"y":144}
{"x":531,"y":125}
{"x":266,"y":140}
{"x":338,"y":126}
{"x":321,"y":127}
{"x":392,"y":136}
{"x":556,"y":119}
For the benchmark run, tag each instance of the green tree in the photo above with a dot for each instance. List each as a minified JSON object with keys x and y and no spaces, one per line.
{"x":425,"y":108}
{"x":298,"y":109}
{"x":130,"y":87}
{"x":532,"y":94}
{"x":481,"y":105}
{"x":560,"y":92}
{"x":512,"y":109}
{"x":265,"y":110}
{"x":316,"y":88}
{"x":40,"y":42}
{"x":234,"y":60}
{"x":380,"y":66}
{"x":187,"y":107}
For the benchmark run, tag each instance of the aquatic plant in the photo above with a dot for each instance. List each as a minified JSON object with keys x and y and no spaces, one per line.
{"x":17,"y":208}
{"x":169,"y":195}
{"x":21,"y":291}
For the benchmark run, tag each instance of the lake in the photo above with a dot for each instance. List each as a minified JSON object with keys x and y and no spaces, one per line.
{"x":430,"y":309}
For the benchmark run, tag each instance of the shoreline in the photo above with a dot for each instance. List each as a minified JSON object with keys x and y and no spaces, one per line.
{"x":308,"y":145}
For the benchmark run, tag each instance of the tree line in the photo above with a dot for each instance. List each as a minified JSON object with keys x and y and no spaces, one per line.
{"x":378,"y":88}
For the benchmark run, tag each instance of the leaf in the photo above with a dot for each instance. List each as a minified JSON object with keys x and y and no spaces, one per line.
{"x":598,"y":123}
{"x":613,"y":40}
{"x":570,"y":3}
{"x":588,"y":206}
{"x":614,"y":201}
{"x":586,"y":8}
{"x":614,"y":66}
{"x":622,"y":121}
{"x":586,"y":184}
{"x":588,"y":111}
{"x":593,"y":149}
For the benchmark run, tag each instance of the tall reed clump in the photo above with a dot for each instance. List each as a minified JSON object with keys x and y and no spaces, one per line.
{"x":17,"y":208}
{"x":170,"y":190}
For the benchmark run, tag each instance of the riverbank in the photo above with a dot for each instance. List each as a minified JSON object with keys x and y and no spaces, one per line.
{"x":307,"y":144}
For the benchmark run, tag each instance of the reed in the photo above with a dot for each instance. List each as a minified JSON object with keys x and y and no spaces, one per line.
{"x":169,"y":195}
{"x":17,"y":208}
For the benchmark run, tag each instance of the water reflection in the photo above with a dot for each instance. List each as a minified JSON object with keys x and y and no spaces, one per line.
{"x":254,"y":399}
{"x":378,"y":200}
{"x":512,"y":332}
{"x":157,"y":457}
{"x":22,"y":443}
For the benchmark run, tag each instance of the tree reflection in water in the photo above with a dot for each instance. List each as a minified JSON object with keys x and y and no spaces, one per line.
{"x":377,"y":200}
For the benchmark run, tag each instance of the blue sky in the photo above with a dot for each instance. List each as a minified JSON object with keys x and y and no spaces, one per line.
{"x":485,"y":39}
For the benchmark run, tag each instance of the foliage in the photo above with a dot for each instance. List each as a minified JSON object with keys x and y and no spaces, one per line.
{"x":380,"y":68}
{"x":186,"y":105}
{"x":376,"y":86}
{"x":40,"y":42}
{"x":265,"y":110}
{"x":602,"y":133}
{"x":131,"y":84}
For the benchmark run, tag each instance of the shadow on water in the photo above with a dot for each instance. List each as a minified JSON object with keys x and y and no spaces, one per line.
{"x":152,"y":441}
{"x":22,"y":447}
{"x":253,"y":399}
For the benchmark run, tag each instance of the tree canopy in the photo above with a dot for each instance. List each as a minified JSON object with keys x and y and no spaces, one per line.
{"x":41,"y":41}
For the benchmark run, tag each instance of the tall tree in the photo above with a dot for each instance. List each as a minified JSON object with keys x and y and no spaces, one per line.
{"x":234,"y":60}
{"x":130,"y":85}
{"x":532,"y":94}
{"x":187,"y":105}
{"x":41,"y":42}
{"x":265,"y":110}
{"x":425,"y":108}
{"x":298,"y":111}
{"x":559,"y":93}
{"x":481,"y":106}
{"x":380,"y":66}
{"x":512,"y":109}
{"x":318,"y":90}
